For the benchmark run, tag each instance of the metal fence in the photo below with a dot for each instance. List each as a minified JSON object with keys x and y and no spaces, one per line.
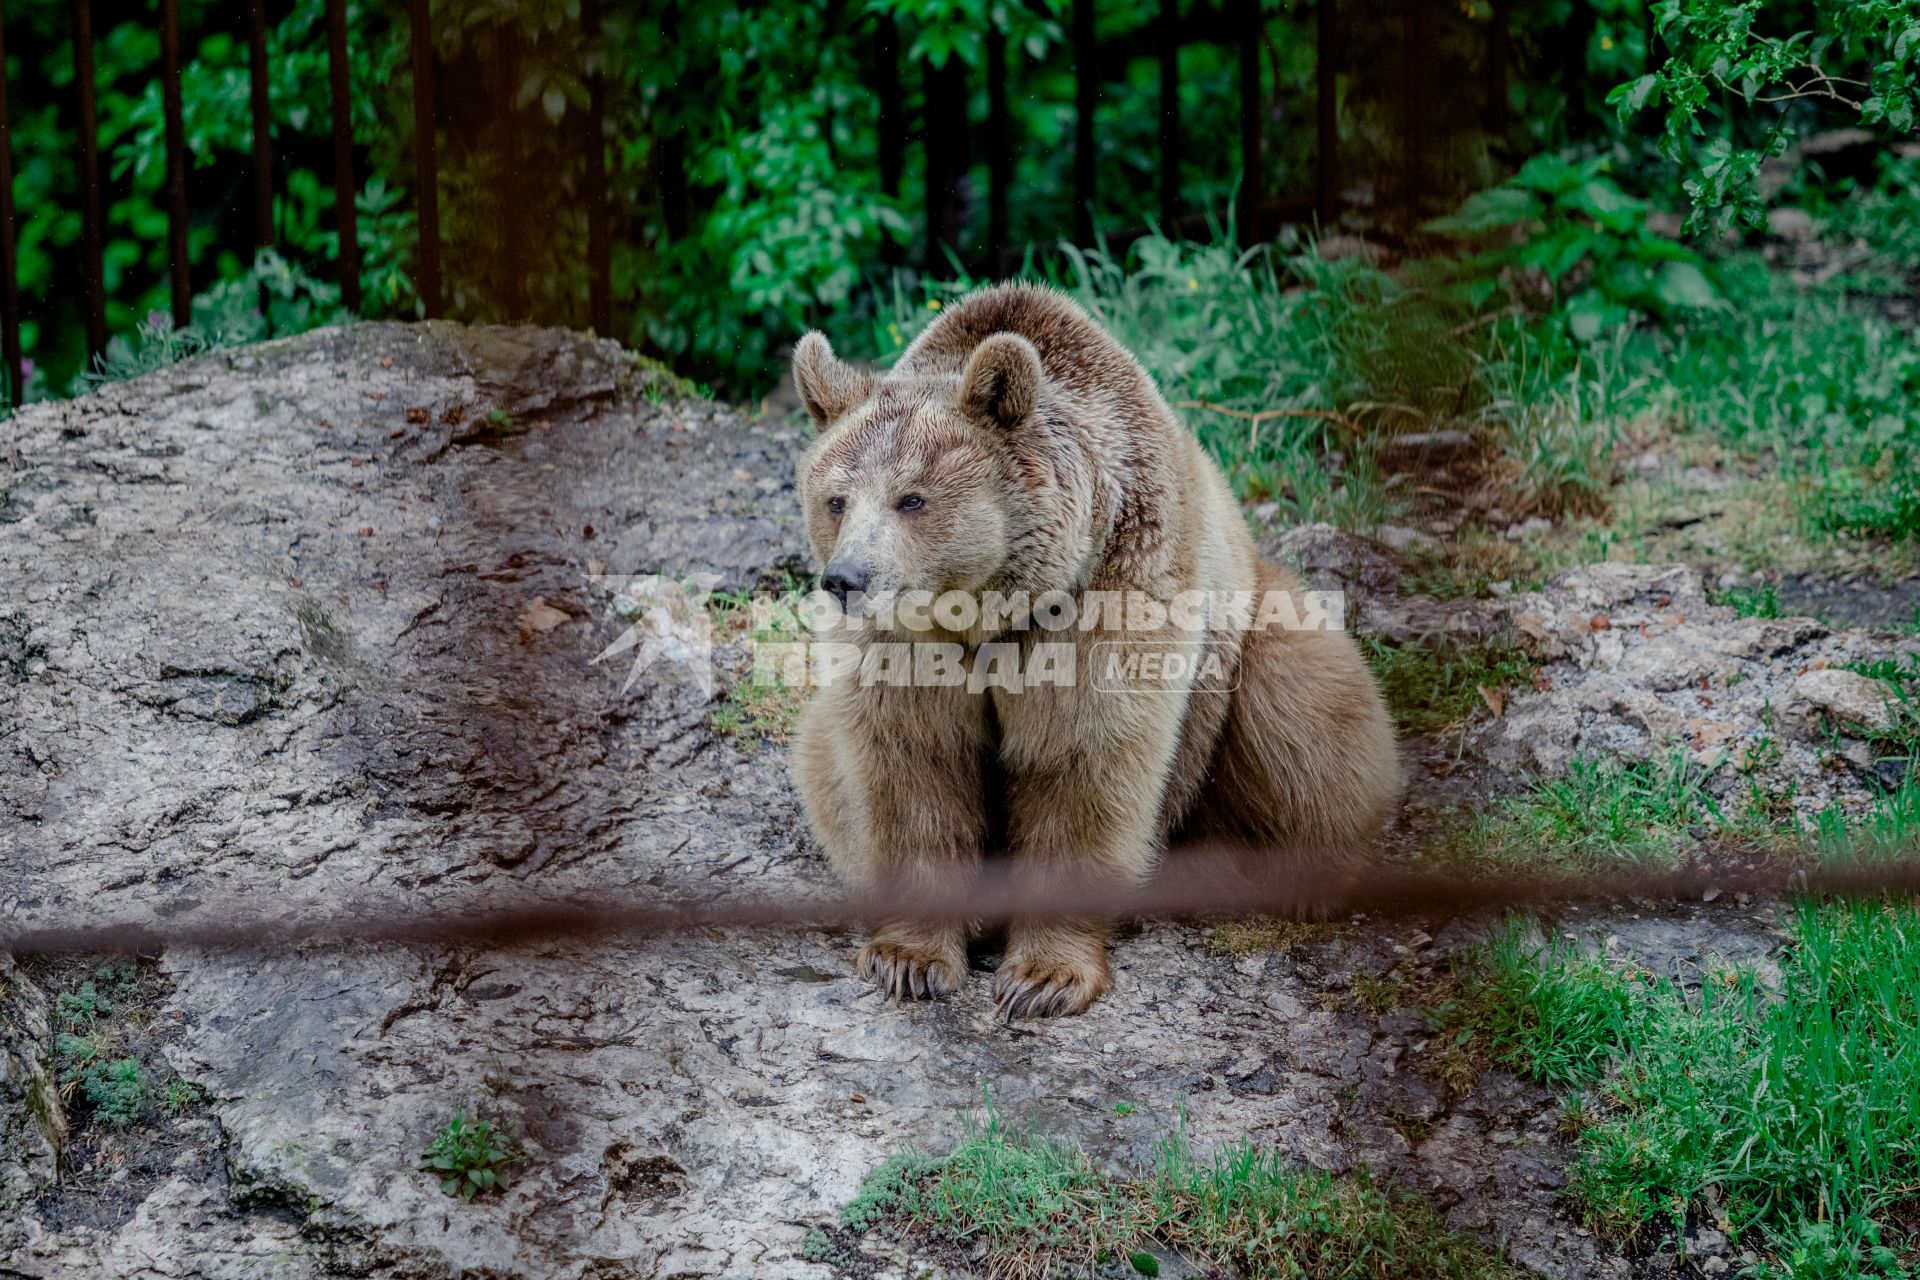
{"x":1236,"y":24}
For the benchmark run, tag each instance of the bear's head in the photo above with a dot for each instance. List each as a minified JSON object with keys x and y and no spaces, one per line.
{"x":915,"y":481}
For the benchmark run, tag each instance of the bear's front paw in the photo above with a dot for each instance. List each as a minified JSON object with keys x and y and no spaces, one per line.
{"x":1052,"y":978}
{"x":914,"y":967}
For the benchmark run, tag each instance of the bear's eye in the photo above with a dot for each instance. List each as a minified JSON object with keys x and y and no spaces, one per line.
{"x":836,"y":505}
{"x":911,"y":503}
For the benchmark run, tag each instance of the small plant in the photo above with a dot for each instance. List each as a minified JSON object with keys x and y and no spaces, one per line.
{"x":468,"y":1157}
{"x":818,"y":1246}
{"x":82,"y":1007}
{"x":1589,"y":240}
{"x":181,"y":1094}
{"x":1758,"y":601}
{"x":115,"y":1088}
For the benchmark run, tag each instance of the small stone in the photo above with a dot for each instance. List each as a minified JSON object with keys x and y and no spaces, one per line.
{"x":1705,"y":1241}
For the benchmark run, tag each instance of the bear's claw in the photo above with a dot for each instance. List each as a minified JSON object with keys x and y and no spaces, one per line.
{"x":908,"y":972}
{"x":1037,"y":989}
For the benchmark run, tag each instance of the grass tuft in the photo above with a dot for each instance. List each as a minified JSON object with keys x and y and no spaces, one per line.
{"x":1601,"y":812}
{"x":1788,"y":1113}
{"x":1040,"y":1208}
{"x":1431,"y":688}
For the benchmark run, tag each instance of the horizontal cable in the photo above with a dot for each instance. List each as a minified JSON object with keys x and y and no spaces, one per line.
{"x":1190,"y":885}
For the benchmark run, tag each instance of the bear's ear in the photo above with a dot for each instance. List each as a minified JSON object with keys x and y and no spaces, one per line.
{"x":1002,"y":381}
{"x":828,"y":385}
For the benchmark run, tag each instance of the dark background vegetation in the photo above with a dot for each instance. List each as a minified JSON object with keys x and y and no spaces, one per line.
{"x":771,"y":166}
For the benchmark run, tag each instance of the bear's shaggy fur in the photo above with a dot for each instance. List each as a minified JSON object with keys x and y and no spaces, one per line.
{"x":1016,"y":446}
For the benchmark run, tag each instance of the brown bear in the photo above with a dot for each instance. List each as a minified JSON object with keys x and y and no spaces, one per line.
{"x":1017,"y":451}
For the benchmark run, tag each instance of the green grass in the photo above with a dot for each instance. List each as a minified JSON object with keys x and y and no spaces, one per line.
{"x":760,"y":702}
{"x":1431,"y":688}
{"x":1547,"y":1010}
{"x":1759,"y":601}
{"x":1044,"y":1209}
{"x":1601,"y":812}
{"x":1889,"y":829}
{"x":1789,"y":1113}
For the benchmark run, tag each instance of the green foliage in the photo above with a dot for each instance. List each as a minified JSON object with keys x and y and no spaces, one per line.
{"x":1861,"y":55}
{"x":114,"y":1087}
{"x":1785,"y":1111}
{"x":1889,"y":830}
{"x":467,"y":1157}
{"x":1543,"y":1008}
{"x":1759,"y":601}
{"x":1588,"y":240}
{"x":1601,"y":812}
{"x":82,"y":1006}
{"x":1044,"y":1209}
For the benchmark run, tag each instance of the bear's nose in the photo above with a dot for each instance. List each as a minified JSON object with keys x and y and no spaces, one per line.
{"x":842,"y":579}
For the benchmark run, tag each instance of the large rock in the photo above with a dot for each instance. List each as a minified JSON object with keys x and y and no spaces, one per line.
{"x":306,"y":631}
{"x":33,"y":1122}
{"x":1636,"y":662}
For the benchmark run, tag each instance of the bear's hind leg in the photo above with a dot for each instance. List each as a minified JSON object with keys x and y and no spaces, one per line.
{"x":1307,"y":770}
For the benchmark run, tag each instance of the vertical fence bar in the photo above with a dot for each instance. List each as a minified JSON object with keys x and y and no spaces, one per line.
{"x":1326,"y":110}
{"x":90,"y":177}
{"x":1499,"y":51}
{"x":1169,"y":37}
{"x":426,"y":156}
{"x":343,"y":191}
{"x":173,"y":109}
{"x":15,"y":379}
{"x":513,"y":256}
{"x":999,"y":151}
{"x":1086,"y":91}
{"x":1252,"y":179}
{"x":263,"y":233}
{"x":599,"y":239}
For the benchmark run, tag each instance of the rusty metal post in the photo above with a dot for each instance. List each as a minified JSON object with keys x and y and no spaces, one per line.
{"x":172,"y":108}
{"x":599,"y":241}
{"x":343,"y":190}
{"x":263,"y":230}
{"x":426,"y":156}
{"x":90,"y":178}
{"x":15,"y":377}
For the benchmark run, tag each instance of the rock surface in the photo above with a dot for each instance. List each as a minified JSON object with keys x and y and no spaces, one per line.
{"x":310,"y":627}
{"x":1636,"y":662}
